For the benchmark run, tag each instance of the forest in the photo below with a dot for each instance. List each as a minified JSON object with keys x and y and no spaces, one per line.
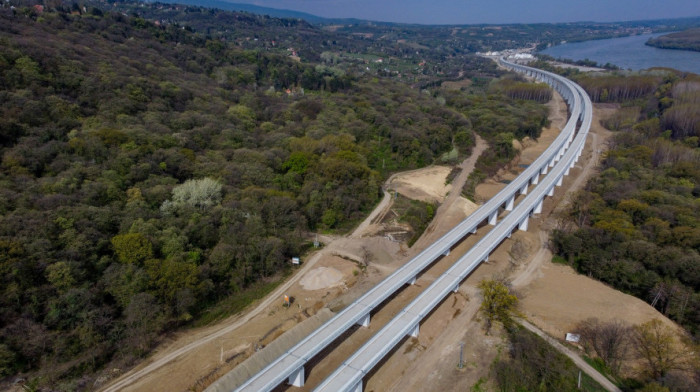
{"x":151,"y":175}
{"x":682,"y":40}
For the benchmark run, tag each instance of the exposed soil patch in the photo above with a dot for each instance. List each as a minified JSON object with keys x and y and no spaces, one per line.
{"x":426,"y":184}
{"x":321,"y":278}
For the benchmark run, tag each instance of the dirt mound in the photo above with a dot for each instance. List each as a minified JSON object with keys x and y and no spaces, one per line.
{"x":423,"y":184}
{"x":467,"y":206}
{"x":321,"y":278}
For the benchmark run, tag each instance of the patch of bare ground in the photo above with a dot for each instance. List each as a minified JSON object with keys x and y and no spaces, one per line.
{"x":456,"y":85}
{"x":427,"y":184}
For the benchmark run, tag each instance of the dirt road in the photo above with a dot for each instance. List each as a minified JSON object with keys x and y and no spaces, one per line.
{"x":381,"y":208}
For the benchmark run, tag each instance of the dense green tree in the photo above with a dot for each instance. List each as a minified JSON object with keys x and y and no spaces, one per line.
{"x":498,"y":304}
{"x":132,"y":248}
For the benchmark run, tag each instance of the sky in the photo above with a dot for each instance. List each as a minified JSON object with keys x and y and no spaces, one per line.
{"x":489,"y":11}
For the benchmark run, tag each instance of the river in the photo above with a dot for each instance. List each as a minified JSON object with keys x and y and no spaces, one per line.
{"x":628,"y":53}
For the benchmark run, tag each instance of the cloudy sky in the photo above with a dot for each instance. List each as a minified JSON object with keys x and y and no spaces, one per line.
{"x":489,"y":11}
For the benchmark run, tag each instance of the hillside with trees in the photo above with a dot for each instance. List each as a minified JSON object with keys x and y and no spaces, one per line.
{"x":683,"y":40}
{"x":636,"y":226}
{"x":151,"y":176}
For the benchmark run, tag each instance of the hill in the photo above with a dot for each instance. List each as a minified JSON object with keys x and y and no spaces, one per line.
{"x":273,"y":12}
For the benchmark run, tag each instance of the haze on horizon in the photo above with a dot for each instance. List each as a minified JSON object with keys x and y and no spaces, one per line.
{"x":489,"y":11}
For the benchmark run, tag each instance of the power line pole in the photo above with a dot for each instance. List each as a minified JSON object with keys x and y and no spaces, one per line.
{"x":579,"y":379}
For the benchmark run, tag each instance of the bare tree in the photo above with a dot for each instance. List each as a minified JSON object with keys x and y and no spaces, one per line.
{"x":608,"y":340}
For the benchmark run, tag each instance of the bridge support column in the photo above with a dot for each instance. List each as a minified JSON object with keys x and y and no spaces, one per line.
{"x":544,"y":170}
{"x":538,"y":207}
{"x":474,"y":230}
{"x":493,"y":218}
{"x":550,"y":193}
{"x":560,"y":180}
{"x":509,"y":203}
{"x":552,"y":162}
{"x":566,"y":173}
{"x":447,"y":253}
{"x":523,"y":190}
{"x":456,"y":289}
{"x":297,"y":377}
{"x":415,"y":330}
{"x":364,"y":321}
{"x":523,"y":223}
{"x":535,"y":180}
{"x":357,"y":387}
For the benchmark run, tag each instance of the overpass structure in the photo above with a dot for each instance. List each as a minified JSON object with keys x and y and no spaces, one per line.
{"x":290,"y":365}
{"x":348,"y":377}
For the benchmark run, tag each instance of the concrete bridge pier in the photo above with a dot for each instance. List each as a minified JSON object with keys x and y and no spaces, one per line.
{"x":523,"y":190}
{"x":509,"y":203}
{"x":550,"y":193}
{"x":493,"y":218}
{"x":297,"y":377}
{"x":357,"y":387}
{"x":538,"y":207}
{"x":415,"y":330}
{"x":523,"y":223}
{"x":560,"y":180}
{"x":364,"y":321}
{"x":535,"y":180}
